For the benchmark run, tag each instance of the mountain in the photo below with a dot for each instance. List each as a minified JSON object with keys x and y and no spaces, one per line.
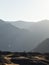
{"x":39,"y":31}
{"x":43,"y":46}
{"x":13,"y":38}
{"x":22,"y":24}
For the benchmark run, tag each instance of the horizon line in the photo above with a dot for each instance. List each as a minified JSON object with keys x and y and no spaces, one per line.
{"x":23,"y":20}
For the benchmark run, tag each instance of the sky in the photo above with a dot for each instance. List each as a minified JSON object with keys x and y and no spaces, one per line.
{"x":26,"y":10}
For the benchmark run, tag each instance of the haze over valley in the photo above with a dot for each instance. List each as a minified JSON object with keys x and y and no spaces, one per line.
{"x":22,"y":36}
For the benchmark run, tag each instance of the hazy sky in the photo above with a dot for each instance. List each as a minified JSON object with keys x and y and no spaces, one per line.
{"x":28,"y":10}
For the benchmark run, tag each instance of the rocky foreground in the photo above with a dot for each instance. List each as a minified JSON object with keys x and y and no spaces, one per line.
{"x":23,"y":58}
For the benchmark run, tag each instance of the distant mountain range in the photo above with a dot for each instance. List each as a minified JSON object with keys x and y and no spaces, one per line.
{"x":22,"y":24}
{"x":21,"y":35}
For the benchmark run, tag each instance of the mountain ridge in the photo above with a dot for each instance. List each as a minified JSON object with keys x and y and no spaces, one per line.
{"x":43,"y":47}
{"x":20,"y":39}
